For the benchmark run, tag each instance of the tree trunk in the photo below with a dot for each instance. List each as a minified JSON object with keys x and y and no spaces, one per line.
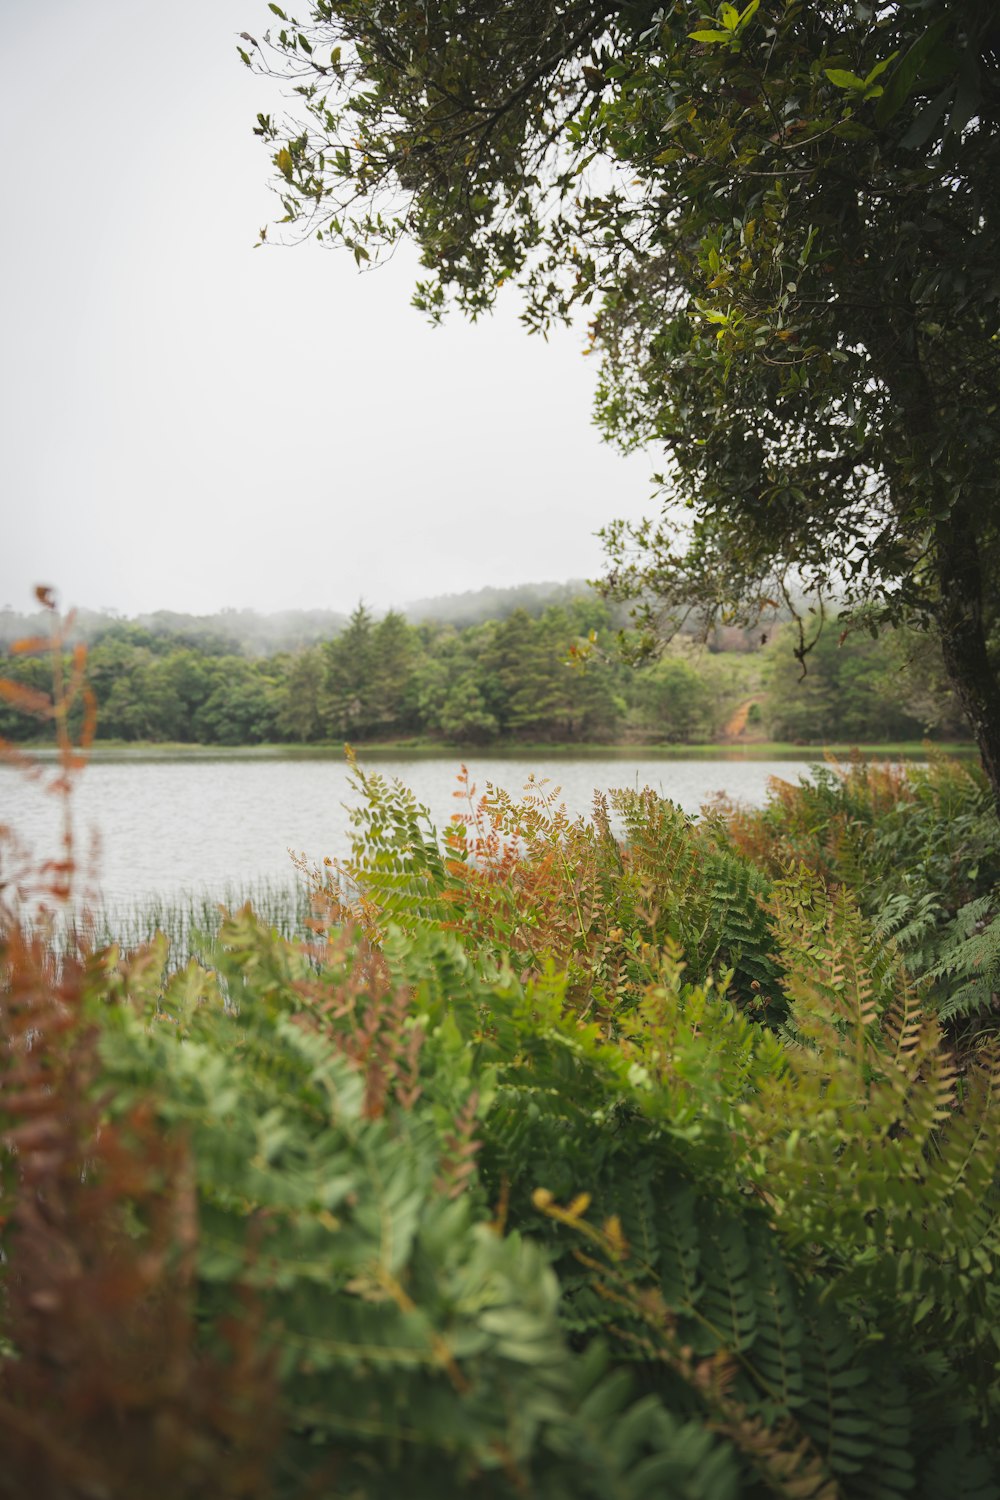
{"x":959,"y":605}
{"x":963,"y":639}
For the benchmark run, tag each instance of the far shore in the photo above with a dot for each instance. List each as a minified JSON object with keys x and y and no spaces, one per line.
{"x":422,"y":749}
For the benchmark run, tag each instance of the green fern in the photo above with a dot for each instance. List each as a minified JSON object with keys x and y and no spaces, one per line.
{"x":413,"y":1339}
{"x":532,"y":1201}
{"x":969,"y":960}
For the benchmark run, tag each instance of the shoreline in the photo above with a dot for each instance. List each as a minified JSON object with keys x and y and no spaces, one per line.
{"x":118,"y":750}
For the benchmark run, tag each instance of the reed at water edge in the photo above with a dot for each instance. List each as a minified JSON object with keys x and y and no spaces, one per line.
{"x":191,"y":919}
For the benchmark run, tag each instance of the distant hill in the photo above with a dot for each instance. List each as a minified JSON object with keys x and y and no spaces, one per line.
{"x":240,"y":631}
{"x":16,"y":624}
{"x":476,"y":605}
{"x":251,"y":633}
{"x":247,"y":631}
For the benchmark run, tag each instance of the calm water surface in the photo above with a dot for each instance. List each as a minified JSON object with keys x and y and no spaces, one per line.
{"x":204,"y":824}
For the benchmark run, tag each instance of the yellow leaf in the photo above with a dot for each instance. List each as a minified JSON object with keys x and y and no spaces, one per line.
{"x":613,"y":1233}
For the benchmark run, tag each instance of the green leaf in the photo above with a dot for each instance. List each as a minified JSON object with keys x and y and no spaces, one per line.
{"x":277,"y":10}
{"x":709,"y":36}
{"x":842,"y":79}
{"x":283,"y":162}
{"x":906,"y":76}
{"x":926,"y":122}
{"x":880,"y":68}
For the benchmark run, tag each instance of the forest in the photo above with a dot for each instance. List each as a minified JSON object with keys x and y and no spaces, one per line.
{"x":625,"y":1157}
{"x":555,"y":676}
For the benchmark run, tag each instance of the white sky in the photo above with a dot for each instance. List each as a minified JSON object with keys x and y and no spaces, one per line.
{"x":188,"y":423}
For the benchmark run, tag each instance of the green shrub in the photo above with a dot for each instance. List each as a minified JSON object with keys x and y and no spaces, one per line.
{"x":920,"y":850}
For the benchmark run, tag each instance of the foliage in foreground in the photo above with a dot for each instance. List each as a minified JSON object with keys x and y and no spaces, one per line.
{"x":581,"y":1168}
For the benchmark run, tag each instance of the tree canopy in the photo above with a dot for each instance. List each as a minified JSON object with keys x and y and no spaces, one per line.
{"x":782,"y":219}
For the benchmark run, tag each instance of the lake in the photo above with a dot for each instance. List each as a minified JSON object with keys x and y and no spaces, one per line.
{"x":212,"y":821}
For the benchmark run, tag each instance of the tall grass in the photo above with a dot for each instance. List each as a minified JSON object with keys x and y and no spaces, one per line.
{"x":190,"y":920}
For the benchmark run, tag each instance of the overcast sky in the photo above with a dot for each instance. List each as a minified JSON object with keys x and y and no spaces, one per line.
{"x":189,"y":423}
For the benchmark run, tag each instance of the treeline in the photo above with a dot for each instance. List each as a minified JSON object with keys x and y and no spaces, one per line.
{"x":509,"y":680}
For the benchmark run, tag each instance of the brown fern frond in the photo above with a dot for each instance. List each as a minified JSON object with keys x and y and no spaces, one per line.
{"x":112,"y":1389}
{"x":458,"y":1162}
